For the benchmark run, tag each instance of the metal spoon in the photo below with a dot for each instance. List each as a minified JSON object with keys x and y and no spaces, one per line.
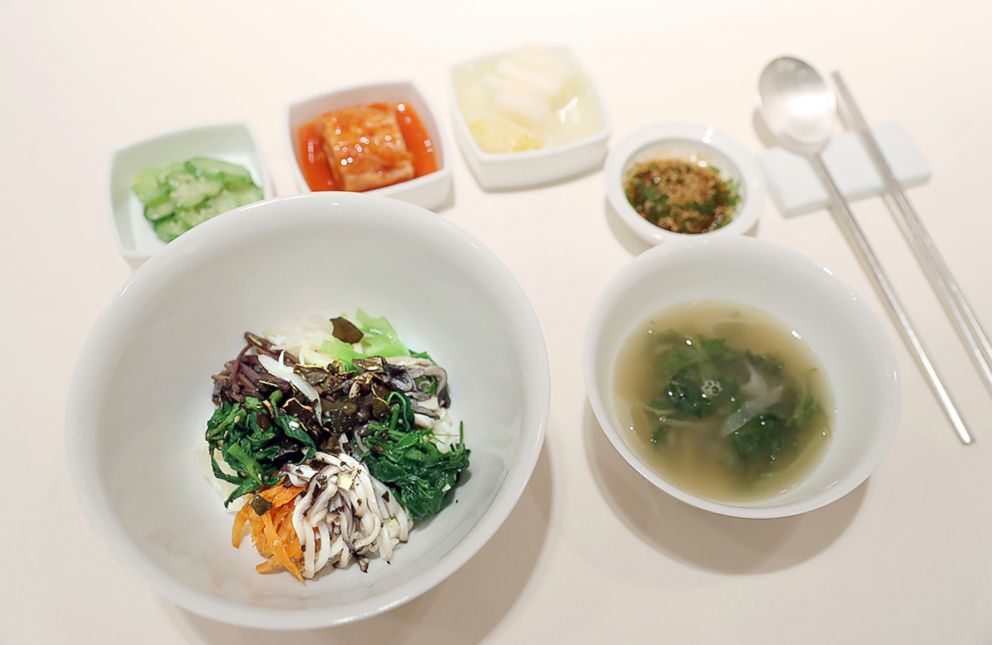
{"x":800,"y":109}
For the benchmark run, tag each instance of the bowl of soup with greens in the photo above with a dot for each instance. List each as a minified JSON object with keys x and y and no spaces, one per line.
{"x":741,"y":377}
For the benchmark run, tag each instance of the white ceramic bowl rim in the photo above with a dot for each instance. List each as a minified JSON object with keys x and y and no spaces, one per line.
{"x":224,"y":231}
{"x":694,"y":135}
{"x":645,"y":264}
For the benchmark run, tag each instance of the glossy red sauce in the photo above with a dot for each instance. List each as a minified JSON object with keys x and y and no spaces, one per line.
{"x":418,"y":141}
{"x":317,"y":171}
{"x":310,"y":155}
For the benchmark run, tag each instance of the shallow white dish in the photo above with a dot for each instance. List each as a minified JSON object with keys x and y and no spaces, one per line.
{"x":683,"y":139}
{"x":835,"y":323}
{"x":140,"y":394}
{"x":233,"y":142}
{"x":500,"y":171}
{"x":429,"y":191}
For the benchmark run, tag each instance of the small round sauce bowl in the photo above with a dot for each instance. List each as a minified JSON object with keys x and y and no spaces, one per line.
{"x":696,"y":143}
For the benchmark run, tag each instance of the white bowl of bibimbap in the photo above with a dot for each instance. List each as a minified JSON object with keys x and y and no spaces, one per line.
{"x":348,"y":389}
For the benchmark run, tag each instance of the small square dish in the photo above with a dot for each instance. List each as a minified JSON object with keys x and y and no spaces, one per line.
{"x":227,"y":142}
{"x":381,"y":138}
{"x":527,"y":117}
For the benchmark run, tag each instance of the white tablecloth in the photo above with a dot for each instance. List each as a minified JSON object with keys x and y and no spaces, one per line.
{"x":592,"y":553}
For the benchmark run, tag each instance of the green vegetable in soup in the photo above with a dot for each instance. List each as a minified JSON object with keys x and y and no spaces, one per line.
{"x":748,"y":402}
{"x":722,"y":400}
{"x":760,"y":438}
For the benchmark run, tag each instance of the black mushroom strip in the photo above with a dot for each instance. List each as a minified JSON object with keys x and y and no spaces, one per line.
{"x":246,"y":376}
{"x":346,"y":331}
{"x":419,"y":379}
{"x":354,"y":402}
{"x":348,"y":400}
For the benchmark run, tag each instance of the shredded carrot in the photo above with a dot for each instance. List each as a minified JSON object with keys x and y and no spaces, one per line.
{"x":278,"y":549}
{"x":239,"y":526}
{"x":280,"y":495}
{"x":273,"y":532}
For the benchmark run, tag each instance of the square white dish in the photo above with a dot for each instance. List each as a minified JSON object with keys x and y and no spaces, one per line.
{"x":507,"y":170}
{"x":429,"y":191}
{"x":232,"y":142}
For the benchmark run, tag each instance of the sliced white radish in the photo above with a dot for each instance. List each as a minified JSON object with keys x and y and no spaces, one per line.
{"x":285,"y":372}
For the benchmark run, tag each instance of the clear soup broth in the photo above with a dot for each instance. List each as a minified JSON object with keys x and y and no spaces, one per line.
{"x":723,"y":401}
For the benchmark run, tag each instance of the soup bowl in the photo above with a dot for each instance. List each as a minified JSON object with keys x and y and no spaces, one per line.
{"x":141,"y":394}
{"x":837,"y":326}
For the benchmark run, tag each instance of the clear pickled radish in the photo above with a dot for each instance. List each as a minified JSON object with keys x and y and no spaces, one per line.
{"x":527,"y":99}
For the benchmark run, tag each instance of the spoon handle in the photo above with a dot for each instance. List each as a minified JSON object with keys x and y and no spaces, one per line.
{"x":943,"y":282}
{"x":853,"y":230}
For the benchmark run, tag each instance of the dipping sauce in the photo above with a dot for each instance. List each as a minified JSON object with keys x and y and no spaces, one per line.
{"x":723,"y":401}
{"x":527,"y":99}
{"x":681,"y":195}
{"x":364,"y":147}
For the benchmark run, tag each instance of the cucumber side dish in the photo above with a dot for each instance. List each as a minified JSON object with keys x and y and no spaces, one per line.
{"x":180,"y":195}
{"x":335,"y":439}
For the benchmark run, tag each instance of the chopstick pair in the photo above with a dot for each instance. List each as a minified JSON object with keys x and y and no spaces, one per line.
{"x":946,"y":287}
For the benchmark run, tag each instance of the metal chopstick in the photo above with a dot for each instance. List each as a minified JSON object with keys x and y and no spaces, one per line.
{"x":850,"y":226}
{"x":937,"y":271}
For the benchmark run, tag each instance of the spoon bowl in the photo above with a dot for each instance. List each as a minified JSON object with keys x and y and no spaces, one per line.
{"x":797,"y":104}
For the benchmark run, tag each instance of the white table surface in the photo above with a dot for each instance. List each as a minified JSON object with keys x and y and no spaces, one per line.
{"x":592,"y":553}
